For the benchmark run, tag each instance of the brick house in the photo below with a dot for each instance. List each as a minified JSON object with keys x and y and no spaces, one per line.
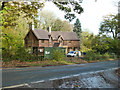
{"x":39,"y":39}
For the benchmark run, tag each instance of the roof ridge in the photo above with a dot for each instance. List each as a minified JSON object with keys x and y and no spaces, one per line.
{"x":60,"y":31}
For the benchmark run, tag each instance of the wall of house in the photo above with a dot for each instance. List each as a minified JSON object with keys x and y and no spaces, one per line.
{"x":45,"y":44}
{"x":31,"y":40}
{"x":71,"y":43}
{"x":50,"y":42}
{"x":67,"y":43}
{"x":71,"y":46}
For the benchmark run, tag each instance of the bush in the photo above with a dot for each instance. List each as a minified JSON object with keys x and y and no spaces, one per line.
{"x":21,"y":54}
{"x":7,"y":55}
{"x":90,"y":55}
{"x":105,"y":56}
{"x":58,"y":55}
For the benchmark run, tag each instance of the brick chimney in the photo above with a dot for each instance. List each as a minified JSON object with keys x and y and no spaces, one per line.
{"x":31,"y":26}
{"x":49,"y":29}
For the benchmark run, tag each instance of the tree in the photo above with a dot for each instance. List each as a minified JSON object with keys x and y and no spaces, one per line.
{"x":67,"y":26}
{"x":57,"y":25}
{"x":31,"y":8}
{"x":12,"y":10}
{"x":110,"y":26}
{"x":101,"y":44}
{"x":46,"y":18}
{"x":14,"y":37}
{"x":115,"y":46}
{"x":86,"y":39}
{"x":66,"y":6}
{"x":77,"y":28}
{"x":60,"y":25}
{"x":95,"y":43}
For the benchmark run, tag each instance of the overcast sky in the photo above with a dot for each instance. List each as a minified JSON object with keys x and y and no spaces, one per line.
{"x":93,"y":12}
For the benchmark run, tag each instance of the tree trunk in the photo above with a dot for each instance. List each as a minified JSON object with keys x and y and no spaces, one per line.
{"x":113,"y":34}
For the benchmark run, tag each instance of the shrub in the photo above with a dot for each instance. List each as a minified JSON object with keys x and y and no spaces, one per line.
{"x":90,"y":55}
{"x":105,"y":56}
{"x":21,"y":54}
{"x":58,"y":55}
{"x":7,"y":55}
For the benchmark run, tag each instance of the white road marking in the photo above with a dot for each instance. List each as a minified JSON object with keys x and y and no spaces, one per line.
{"x":38,"y":81}
{"x":53,"y":79}
{"x":15,"y":86}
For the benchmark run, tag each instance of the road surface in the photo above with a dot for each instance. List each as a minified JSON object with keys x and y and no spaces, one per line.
{"x":16,"y":76}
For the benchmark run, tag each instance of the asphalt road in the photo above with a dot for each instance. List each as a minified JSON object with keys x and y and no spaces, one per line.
{"x":16,"y":76}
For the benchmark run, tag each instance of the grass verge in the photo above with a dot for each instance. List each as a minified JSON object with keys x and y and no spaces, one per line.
{"x":68,"y":61}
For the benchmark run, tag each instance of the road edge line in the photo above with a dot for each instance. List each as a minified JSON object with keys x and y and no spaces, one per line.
{"x":14,"y":86}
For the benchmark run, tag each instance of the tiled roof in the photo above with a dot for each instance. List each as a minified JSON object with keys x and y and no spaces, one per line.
{"x":65,"y":35}
{"x":44,"y":34}
{"x":41,"y":34}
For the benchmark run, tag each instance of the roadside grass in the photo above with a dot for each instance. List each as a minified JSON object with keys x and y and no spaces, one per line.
{"x":44,"y":63}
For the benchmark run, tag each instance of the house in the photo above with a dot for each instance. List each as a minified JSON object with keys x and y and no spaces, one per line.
{"x":39,"y":39}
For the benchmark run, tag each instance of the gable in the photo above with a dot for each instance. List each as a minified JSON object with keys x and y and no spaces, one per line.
{"x":60,"y":37}
{"x":30,"y":32}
